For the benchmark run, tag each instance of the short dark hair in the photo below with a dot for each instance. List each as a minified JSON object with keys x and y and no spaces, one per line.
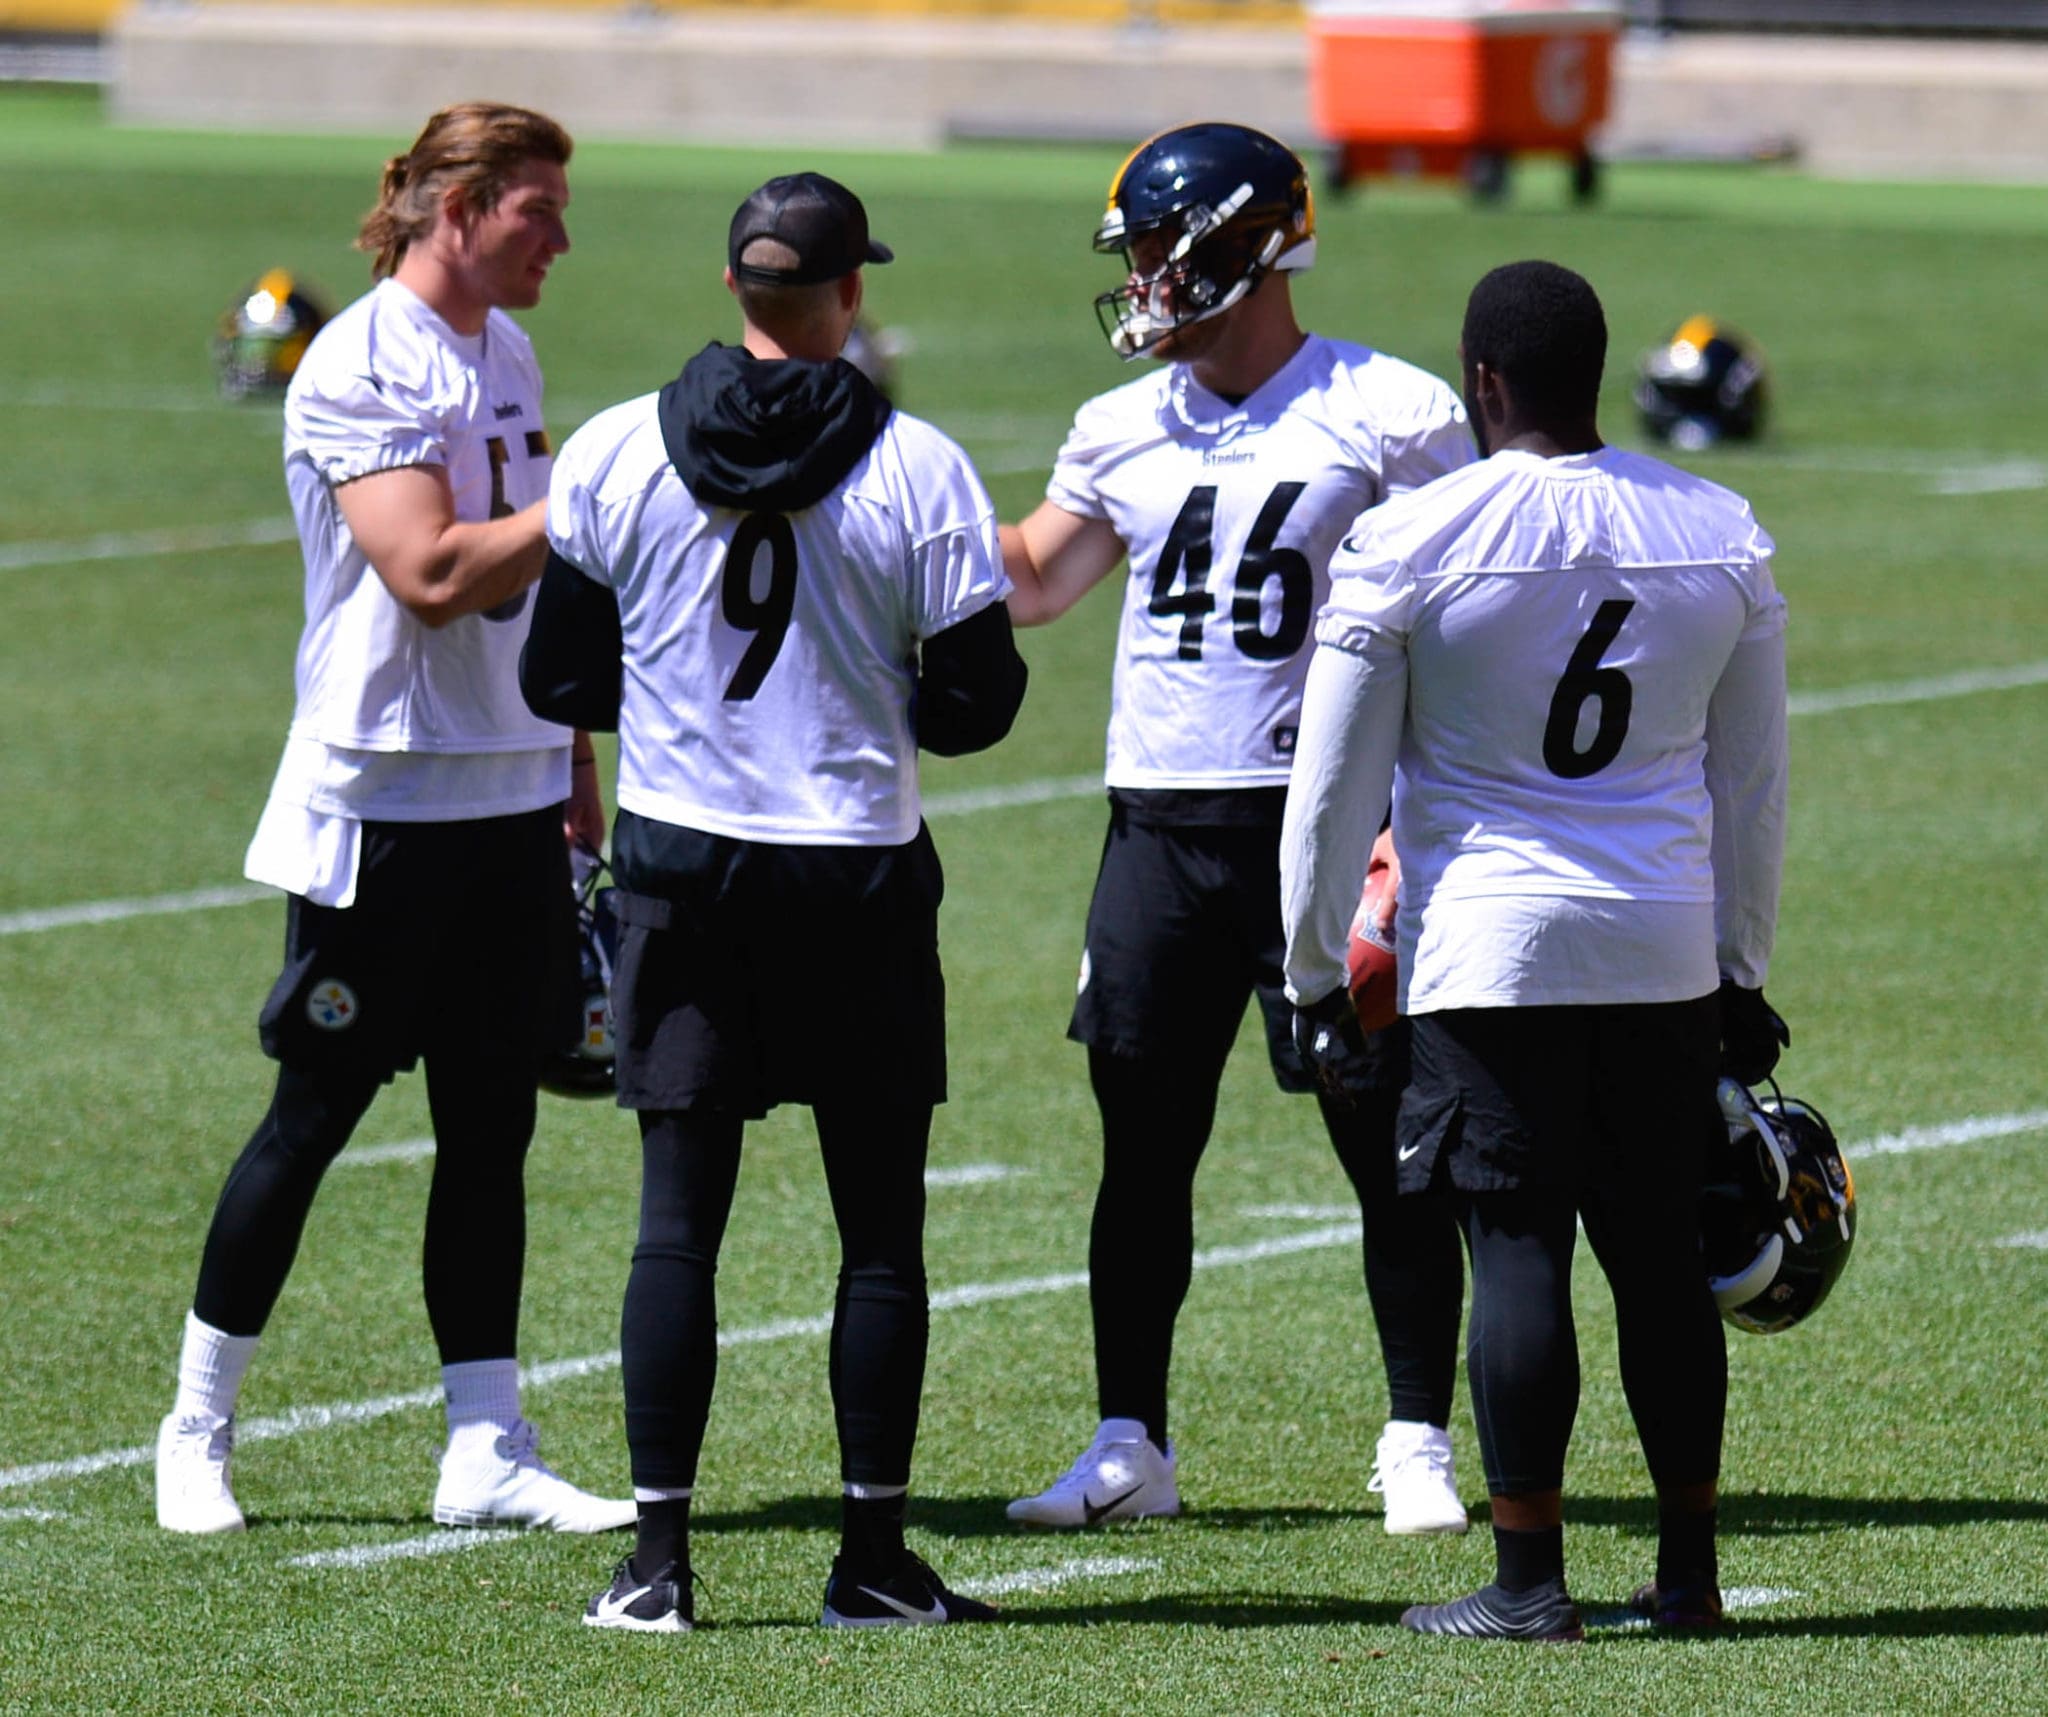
{"x":1540,"y":326}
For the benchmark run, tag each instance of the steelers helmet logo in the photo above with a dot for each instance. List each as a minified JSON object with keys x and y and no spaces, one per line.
{"x":597,"y":1027}
{"x":332,"y":1005}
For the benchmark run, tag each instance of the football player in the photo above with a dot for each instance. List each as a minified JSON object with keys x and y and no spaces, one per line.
{"x":778,"y":589}
{"x":1579,"y":656}
{"x":418,"y":815}
{"x":1226,"y":477}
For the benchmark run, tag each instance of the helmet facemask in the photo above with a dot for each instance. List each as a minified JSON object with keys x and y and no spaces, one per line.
{"x":1213,"y":260}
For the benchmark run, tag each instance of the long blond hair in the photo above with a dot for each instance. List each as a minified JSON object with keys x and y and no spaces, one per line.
{"x":476,"y":146}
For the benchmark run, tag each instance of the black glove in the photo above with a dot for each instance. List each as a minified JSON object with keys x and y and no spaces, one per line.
{"x":1752,"y":1034}
{"x":1329,"y":1038}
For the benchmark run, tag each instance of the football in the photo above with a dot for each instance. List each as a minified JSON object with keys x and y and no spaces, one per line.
{"x":1374,"y":971}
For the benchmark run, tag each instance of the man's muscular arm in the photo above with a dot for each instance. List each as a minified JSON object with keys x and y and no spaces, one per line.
{"x":1054,"y":558}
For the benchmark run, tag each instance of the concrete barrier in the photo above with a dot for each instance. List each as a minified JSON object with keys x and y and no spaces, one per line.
{"x":1846,"y":105}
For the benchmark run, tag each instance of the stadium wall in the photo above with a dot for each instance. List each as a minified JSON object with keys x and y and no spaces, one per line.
{"x":774,"y":75}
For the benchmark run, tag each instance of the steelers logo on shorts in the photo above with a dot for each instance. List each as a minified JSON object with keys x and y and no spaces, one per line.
{"x":332,"y":1006}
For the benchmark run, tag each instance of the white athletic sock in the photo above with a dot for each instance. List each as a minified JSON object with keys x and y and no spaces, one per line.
{"x":875,"y":1492}
{"x":482,"y":1397}
{"x":211,"y":1364}
{"x":1121,"y":1431}
{"x":662,"y":1493}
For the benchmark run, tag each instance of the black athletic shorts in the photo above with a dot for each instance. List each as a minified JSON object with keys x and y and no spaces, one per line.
{"x":1184,"y":926}
{"x":752,"y":974}
{"x":1500,"y":1098}
{"x":462,"y":937}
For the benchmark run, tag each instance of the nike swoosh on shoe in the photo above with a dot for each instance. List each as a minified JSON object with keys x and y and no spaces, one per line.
{"x":909,"y":1612}
{"x":1096,"y":1510}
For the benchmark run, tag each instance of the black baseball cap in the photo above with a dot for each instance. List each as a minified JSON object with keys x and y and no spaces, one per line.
{"x":818,"y":218}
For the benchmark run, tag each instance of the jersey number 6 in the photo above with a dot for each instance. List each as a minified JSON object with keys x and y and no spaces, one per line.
{"x":767,"y":615}
{"x":1187,"y":554}
{"x":1584,"y":678}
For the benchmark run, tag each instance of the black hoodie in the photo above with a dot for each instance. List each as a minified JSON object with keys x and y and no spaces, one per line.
{"x":766,"y":435}
{"x":773,"y":435}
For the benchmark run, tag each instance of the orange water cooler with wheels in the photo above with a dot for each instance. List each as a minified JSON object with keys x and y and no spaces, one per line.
{"x":1458,"y":88}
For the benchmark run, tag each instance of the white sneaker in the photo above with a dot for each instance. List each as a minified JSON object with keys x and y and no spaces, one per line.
{"x":1120,"y":1476}
{"x":505,"y":1483}
{"x":1412,"y":1468}
{"x":192,"y":1492}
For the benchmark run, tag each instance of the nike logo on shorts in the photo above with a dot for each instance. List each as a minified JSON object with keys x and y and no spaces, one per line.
{"x":1405,"y":1152}
{"x":1096,"y":1510}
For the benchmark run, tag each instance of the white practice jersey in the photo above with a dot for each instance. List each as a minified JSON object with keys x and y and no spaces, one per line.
{"x":1230,"y":513}
{"x":388,"y":384}
{"x":397,"y":721}
{"x":1589,"y":794}
{"x":770,"y":658}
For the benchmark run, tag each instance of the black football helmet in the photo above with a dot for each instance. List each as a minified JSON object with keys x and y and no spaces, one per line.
{"x":261,"y":337}
{"x":1704,"y":384}
{"x":1231,"y":205}
{"x":1778,"y":1214}
{"x":588,"y":1068}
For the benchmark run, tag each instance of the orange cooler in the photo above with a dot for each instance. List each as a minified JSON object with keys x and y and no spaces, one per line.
{"x":1455,"y":85}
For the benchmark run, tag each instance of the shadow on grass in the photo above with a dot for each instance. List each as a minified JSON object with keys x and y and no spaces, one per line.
{"x":1757,"y":1514}
{"x":1744,"y":1514}
{"x":983,"y":1517}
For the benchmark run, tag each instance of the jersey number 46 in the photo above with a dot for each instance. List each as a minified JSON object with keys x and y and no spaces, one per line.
{"x":1185,"y":561}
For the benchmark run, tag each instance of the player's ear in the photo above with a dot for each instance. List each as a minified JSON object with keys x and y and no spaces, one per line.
{"x":731,"y":285}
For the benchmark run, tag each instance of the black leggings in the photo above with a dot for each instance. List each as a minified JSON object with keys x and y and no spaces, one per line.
{"x":1522,"y":1353}
{"x":474,"y":1252}
{"x":1157,"y":1113}
{"x":874,"y":1170}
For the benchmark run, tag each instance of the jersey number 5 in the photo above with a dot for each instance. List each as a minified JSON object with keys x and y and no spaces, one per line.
{"x":1186,"y":558}
{"x":494,"y":447}
{"x":767,"y":615}
{"x":1584,"y":678}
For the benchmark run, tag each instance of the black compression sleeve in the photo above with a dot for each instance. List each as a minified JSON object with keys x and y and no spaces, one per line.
{"x":970,"y":684}
{"x":569,"y":670}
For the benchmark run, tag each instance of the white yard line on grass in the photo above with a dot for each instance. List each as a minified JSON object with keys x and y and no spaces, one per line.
{"x":299,"y":1419}
{"x":1965,"y":1132}
{"x":145,"y":906}
{"x":405,"y":1549}
{"x":1058,"y":1574}
{"x":418,"y":1150}
{"x":296,"y":1420}
{"x":143,"y":545}
{"x":369,"y":1156}
{"x":967,"y":801}
{"x":2037,"y":1240}
{"x":1931,"y":690}
{"x":971,"y":1174}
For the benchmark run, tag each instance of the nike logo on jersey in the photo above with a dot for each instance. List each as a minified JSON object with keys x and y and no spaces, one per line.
{"x":1405,"y":1152}
{"x":1096,"y":1510}
{"x":909,"y":1612}
{"x":501,"y":412}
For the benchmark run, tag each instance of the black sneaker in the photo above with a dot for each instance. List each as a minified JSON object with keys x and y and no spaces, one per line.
{"x":1543,"y":1613}
{"x":661,"y":1605}
{"x":910,"y":1595}
{"x":1693,"y":1607}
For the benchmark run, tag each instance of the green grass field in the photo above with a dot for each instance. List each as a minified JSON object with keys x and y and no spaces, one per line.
{"x":1886,"y":1488}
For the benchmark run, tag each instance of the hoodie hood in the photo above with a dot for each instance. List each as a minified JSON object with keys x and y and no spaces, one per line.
{"x":768,"y":434}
